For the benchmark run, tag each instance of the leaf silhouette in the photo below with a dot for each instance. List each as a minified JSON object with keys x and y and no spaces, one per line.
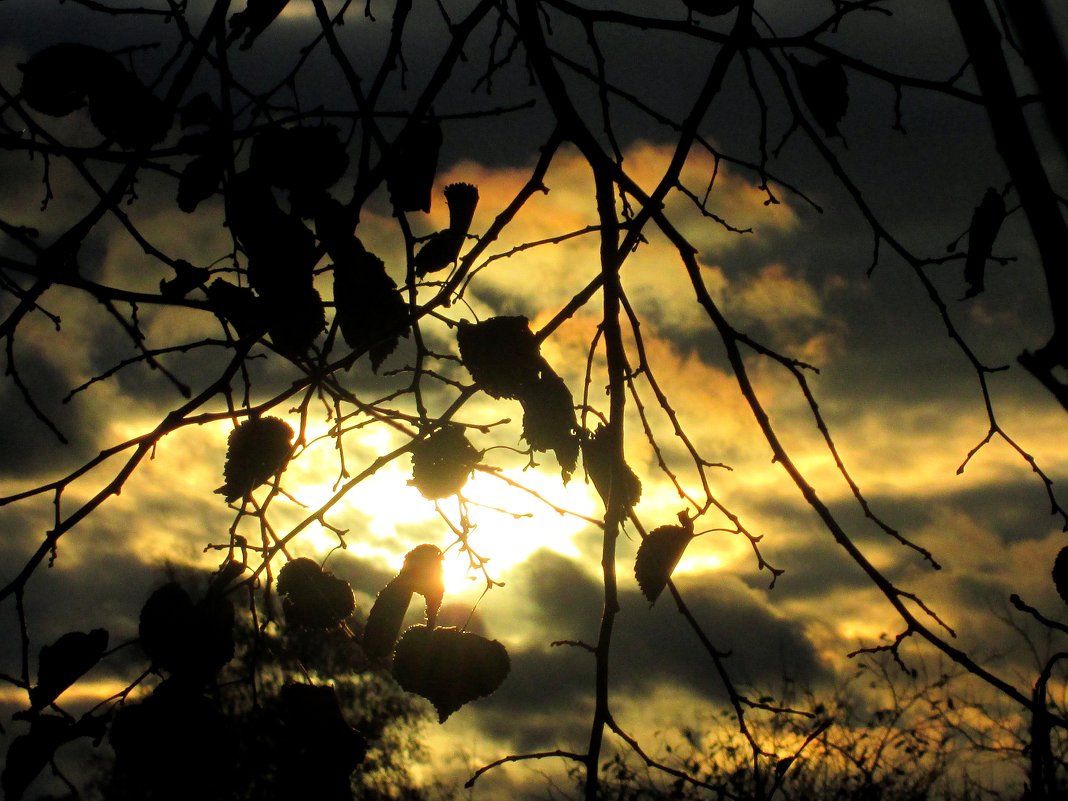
{"x":28,"y":755}
{"x":256,"y":450}
{"x":313,"y":598}
{"x":501,"y":354}
{"x":253,"y":21}
{"x":549,"y":422}
{"x":64,"y":662}
{"x":199,"y":180}
{"x":318,"y":738}
{"x":239,"y":306}
{"x":442,"y":462}
{"x":824,"y":88}
{"x":124,"y":110}
{"x":423,"y":573}
{"x":448,"y":667}
{"x":385,"y":619}
{"x":192,"y":641}
{"x":443,"y":248}
{"x":56,"y":80}
{"x":609,"y":479}
{"x":306,"y":161}
{"x":657,"y":557}
{"x":294,"y":321}
{"x":1060,"y":573}
{"x":986,"y":222}
{"x":413,"y":164}
{"x":368,"y":307}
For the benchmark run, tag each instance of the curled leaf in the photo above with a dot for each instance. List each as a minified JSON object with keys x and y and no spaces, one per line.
{"x":549,"y":422}
{"x":657,"y":557}
{"x":64,"y":662}
{"x":424,"y":574}
{"x":256,"y":450}
{"x":313,"y":598}
{"x":385,"y":619}
{"x":986,"y":222}
{"x":443,"y":248}
{"x":449,"y":667}
{"x":442,"y":462}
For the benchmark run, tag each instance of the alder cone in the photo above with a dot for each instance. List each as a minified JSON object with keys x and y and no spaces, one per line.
{"x":449,"y":667}
{"x":256,"y":450}
{"x":1060,"y":573}
{"x":657,"y":557}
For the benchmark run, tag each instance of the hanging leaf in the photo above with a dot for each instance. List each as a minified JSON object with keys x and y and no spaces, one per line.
{"x":657,"y":557}
{"x":423,"y":571}
{"x":442,"y":462}
{"x":443,"y":248}
{"x":448,"y":667}
{"x":611,"y":477}
{"x":56,"y":80}
{"x":28,"y":755}
{"x":64,"y":662}
{"x":256,"y":450}
{"x":188,"y":640}
{"x":126,"y":111}
{"x":986,"y":222}
{"x":501,"y":354}
{"x":369,"y":308}
{"x":306,"y":161}
{"x":385,"y":619}
{"x":549,"y":422}
{"x":199,"y":180}
{"x":413,"y":164}
{"x":239,"y":306}
{"x":253,"y":21}
{"x":313,"y":598}
{"x":825,"y":90}
{"x":1060,"y":573}
{"x":294,"y":320}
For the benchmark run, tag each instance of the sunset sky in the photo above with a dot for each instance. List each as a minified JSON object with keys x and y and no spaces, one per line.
{"x":903,"y":404}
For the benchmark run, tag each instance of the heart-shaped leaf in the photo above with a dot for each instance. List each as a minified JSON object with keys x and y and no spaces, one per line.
{"x":449,"y":667}
{"x":313,"y":598}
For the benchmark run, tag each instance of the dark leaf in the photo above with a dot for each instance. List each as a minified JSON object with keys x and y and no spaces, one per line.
{"x":824,"y":88}
{"x":423,"y":572}
{"x":124,"y":110}
{"x":413,"y":164}
{"x":313,"y":598}
{"x":256,"y":450}
{"x":657,"y":556}
{"x":549,"y":422}
{"x":28,"y":755}
{"x":440,"y":251}
{"x":201,"y":110}
{"x":294,"y":320}
{"x":318,"y":736}
{"x":386,"y":618}
{"x":448,"y":667}
{"x":239,"y":306}
{"x":611,"y":477}
{"x":986,"y":222}
{"x":304,"y":161}
{"x":186,"y":279}
{"x":253,"y":21}
{"x":199,"y":180}
{"x":56,"y":80}
{"x":192,"y":641}
{"x":1060,"y":573}
{"x":64,"y":662}
{"x":501,"y":354}
{"x":369,"y":308}
{"x":442,"y":462}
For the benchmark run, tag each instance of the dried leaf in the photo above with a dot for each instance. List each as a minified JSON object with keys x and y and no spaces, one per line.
{"x":657,"y":557}
{"x":608,"y":475}
{"x":313,"y":598}
{"x":56,"y":80}
{"x":825,"y":90}
{"x":294,"y":320}
{"x":501,"y":354}
{"x":448,"y":667}
{"x":549,"y":422}
{"x":239,"y":306}
{"x":64,"y":662}
{"x":442,"y":462}
{"x":986,"y":222}
{"x":413,"y":164}
{"x":1060,"y":573}
{"x":256,"y":450}
{"x":443,"y":248}
{"x":369,"y":308}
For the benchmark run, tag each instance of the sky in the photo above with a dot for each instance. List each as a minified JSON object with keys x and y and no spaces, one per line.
{"x":902,"y":402}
